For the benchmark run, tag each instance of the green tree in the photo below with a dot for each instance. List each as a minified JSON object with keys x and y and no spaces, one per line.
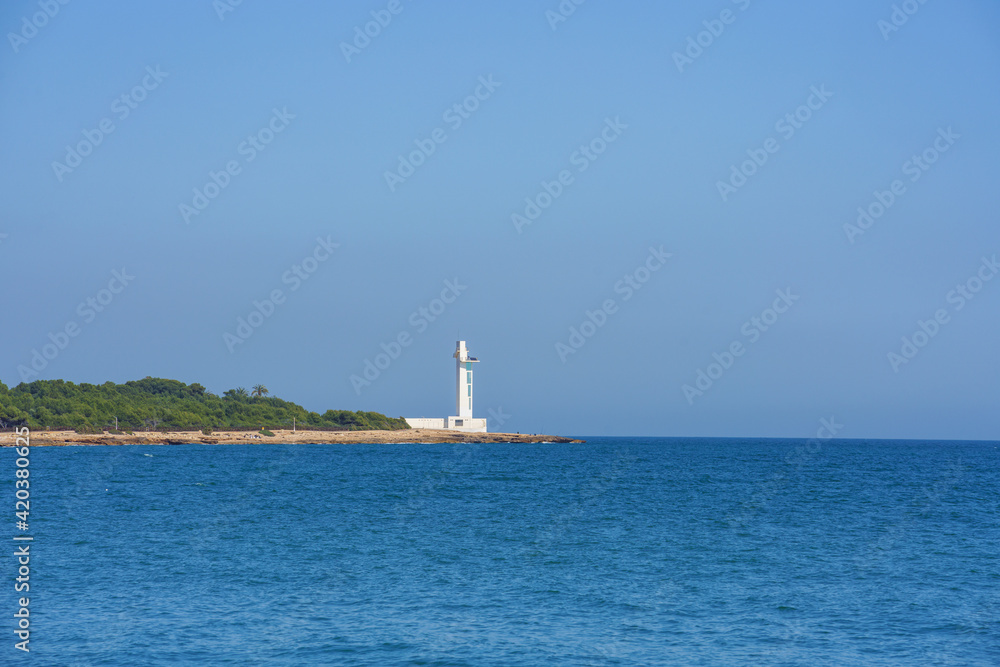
{"x":153,"y":403}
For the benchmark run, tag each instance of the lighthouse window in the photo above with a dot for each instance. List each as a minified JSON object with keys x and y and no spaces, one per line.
{"x":468,"y":377}
{"x":468,"y":365}
{"x":470,"y":390}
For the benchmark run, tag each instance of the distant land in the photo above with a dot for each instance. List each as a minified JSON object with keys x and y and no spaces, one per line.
{"x":157,"y":411}
{"x":157,"y":404}
{"x":281,"y":437}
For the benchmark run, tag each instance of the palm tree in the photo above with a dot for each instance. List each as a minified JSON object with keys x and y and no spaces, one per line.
{"x":259,"y":390}
{"x":241,"y":392}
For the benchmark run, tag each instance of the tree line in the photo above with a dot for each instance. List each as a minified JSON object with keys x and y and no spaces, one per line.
{"x":166,"y":405}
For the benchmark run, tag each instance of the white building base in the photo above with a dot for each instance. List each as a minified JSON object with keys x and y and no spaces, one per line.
{"x":424,"y":422}
{"x":464,"y":424}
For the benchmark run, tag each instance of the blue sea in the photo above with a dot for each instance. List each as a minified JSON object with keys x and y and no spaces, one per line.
{"x":620,"y":551}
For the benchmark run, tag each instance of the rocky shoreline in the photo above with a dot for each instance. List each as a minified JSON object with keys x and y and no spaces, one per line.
{"x":419,"y":435}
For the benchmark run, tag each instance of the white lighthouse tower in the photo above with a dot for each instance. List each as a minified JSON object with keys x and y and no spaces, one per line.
{"x":463,"y":419}
{"x":463,"y":380}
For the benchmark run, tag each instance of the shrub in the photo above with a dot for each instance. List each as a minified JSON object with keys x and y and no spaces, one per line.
{"x":264,"y":431}
{"x":154,"y":404}
{"x":207,"y":430}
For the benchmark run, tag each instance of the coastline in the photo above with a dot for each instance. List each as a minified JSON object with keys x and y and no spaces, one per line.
{"x":281,"y":437}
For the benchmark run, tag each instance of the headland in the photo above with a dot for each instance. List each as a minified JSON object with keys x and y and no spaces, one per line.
{"x":280,"y":437}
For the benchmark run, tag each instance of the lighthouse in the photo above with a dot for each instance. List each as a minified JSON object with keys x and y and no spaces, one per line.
{"x":463,"y":380}
{"x":462,"y":420}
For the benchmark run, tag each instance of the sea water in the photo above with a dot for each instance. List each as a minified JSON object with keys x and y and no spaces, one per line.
{"x":619,"y":551}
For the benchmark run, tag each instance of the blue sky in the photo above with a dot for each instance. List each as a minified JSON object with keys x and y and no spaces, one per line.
{"x":658,"y":133}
